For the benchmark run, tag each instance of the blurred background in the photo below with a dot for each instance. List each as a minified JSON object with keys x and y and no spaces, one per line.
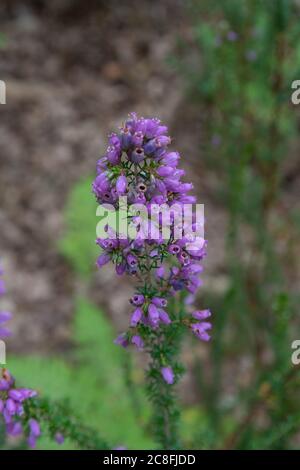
{"x":219,"y":73}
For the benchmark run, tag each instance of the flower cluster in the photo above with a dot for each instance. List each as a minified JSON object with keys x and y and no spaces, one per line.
{"x":138,"y":165}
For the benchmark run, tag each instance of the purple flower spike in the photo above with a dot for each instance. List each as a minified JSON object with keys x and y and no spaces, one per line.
{"x":4,"y":317}
{"x":168,"y":375}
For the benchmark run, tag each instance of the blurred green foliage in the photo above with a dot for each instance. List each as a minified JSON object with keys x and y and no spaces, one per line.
{"x":239,"y":62}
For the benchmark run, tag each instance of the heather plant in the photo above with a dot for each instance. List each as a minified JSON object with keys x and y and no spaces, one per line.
{"x":138,"y":165}
{"x":25,"y":415}
{"x":239,"y":63}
